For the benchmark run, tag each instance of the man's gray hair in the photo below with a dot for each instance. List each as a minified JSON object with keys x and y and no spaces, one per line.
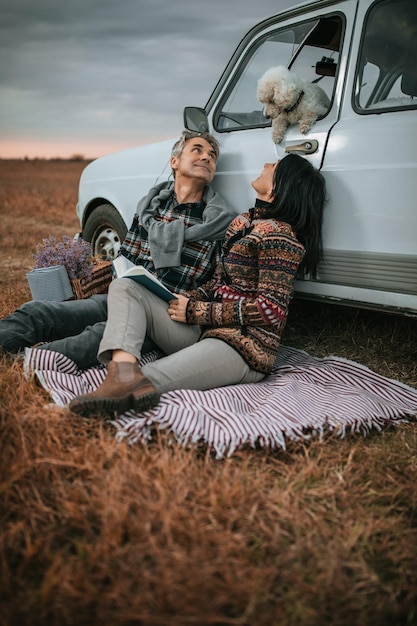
{"x":178,"y":146}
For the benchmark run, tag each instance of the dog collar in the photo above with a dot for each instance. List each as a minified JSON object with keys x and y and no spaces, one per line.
{"x":295,"y":103}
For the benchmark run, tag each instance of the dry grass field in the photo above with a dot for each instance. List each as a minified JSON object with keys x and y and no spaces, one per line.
{"x":94,"y":532}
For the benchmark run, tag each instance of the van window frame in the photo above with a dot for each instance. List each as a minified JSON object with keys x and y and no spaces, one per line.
{"x":265,"y":123}
{"x":384,"y":108}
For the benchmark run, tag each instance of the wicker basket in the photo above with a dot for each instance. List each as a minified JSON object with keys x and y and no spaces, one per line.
{"x":99,"y":282}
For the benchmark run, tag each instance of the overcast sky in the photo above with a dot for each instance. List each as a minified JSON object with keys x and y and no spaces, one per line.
{"x":95,"y":76}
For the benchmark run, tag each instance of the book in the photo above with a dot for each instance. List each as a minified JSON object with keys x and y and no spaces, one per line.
{"x":123,"y":268}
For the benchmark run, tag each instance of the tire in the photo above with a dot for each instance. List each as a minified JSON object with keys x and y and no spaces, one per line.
{"x":105,"y":229}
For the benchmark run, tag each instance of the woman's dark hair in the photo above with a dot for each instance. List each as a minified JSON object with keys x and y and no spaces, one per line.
{"x":299,"y":195}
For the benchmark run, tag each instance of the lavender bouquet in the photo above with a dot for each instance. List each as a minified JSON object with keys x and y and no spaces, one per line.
{"x":66,"y":268}
{"x":74,"y":254}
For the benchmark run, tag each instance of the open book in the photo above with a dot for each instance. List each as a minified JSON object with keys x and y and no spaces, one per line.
{"x":123,"y":268}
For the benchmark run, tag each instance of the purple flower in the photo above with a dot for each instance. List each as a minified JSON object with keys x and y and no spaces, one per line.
{"x":75,"y":255}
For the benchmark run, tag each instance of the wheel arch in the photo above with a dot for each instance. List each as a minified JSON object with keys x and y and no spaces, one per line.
{"x":94,"y":204}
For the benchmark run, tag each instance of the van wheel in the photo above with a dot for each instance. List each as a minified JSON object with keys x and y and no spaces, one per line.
{"x":105,"y":229}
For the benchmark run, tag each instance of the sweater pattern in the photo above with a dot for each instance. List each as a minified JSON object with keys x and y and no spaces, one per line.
{"x":246,"y":303}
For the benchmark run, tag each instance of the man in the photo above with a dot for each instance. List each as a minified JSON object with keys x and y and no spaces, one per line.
{"x":174,"y":234}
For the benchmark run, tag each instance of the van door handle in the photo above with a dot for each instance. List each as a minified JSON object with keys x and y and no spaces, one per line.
{"x":307,"y":147}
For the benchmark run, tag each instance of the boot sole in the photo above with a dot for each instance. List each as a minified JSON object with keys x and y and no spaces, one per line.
{"x":109,"y":406}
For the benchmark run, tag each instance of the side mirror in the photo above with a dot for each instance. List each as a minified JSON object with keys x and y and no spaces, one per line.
{"x":196,"y":119}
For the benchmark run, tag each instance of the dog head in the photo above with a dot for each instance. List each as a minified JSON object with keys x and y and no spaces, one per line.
{"x":278,"y":91}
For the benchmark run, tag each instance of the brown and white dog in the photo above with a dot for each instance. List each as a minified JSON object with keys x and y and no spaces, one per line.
{"x":289,"y":99}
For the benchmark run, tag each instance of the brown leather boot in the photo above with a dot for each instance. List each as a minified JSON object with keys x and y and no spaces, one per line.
{"x":124,"y":388}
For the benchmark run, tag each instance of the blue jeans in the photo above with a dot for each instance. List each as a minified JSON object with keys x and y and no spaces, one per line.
{"x":72,"y":327}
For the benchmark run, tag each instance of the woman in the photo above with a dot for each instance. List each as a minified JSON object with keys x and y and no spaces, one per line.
{"x":227,"y":331}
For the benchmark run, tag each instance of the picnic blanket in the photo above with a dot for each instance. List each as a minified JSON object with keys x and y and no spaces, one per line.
{"x":303,"y":397}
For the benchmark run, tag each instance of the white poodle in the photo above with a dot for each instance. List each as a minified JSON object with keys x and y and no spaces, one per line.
{"x":289,"y":99}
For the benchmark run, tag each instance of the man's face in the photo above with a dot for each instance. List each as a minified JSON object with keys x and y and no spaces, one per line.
{"x":197,"y":161}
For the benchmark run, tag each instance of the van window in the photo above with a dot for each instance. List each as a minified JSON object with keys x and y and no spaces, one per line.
{"x":310,"y":49}
{"x":386,"y":77}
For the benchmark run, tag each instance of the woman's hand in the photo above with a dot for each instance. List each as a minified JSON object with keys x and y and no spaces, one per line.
{"x":177,"y":309}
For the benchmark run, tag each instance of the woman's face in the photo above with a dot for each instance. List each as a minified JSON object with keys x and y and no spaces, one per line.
{"x":264,"y":184}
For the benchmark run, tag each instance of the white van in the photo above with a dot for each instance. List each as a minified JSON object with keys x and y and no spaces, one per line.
{"x":363,"y":53}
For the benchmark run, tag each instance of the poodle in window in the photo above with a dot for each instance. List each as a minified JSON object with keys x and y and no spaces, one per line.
{"x":289,"y":99}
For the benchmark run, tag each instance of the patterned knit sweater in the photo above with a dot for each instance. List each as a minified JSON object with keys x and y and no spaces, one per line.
{"x":246,"y":303}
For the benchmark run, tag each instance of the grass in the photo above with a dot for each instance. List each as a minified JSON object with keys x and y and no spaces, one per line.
{"x":97,"y":532}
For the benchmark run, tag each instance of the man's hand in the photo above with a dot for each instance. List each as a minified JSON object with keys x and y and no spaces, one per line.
{"x":177,"y":309}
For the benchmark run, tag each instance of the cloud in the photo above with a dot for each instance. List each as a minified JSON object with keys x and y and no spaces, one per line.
{"x":90,"y":69}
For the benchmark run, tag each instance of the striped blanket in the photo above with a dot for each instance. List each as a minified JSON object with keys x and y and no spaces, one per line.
{"x":303,"y":397}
